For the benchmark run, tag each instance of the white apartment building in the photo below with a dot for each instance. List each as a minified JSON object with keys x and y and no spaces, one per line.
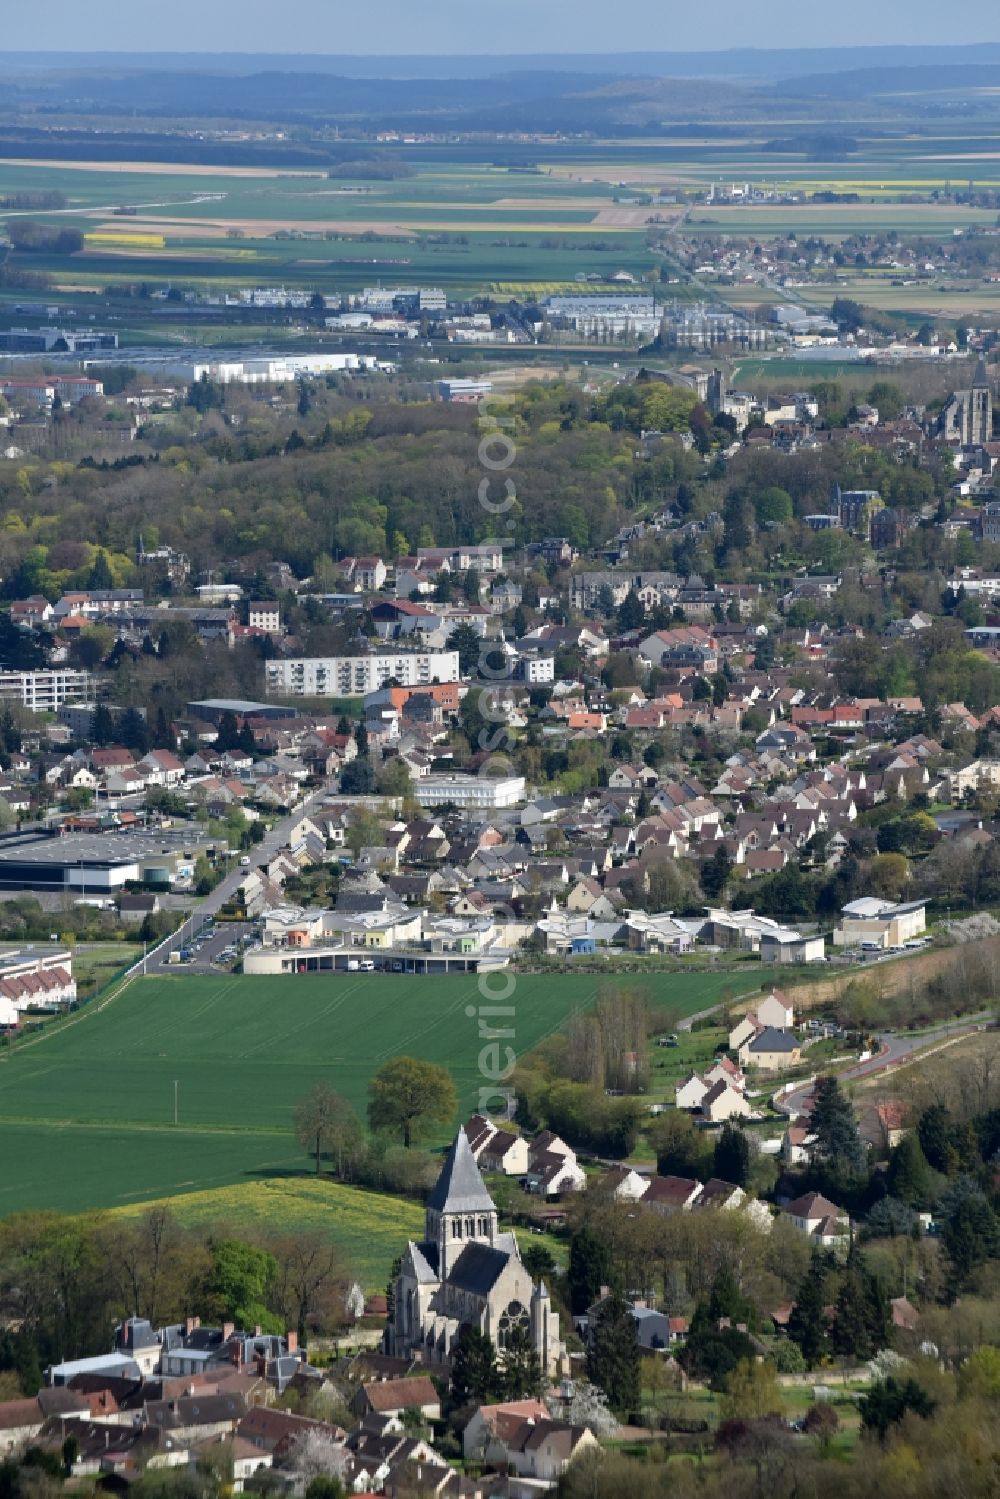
{"x":536,"y":669}
{"x":44,"y":691}
{"x":478,"y":793}
{"x":264,"y":614}
{"x":354,"y":676}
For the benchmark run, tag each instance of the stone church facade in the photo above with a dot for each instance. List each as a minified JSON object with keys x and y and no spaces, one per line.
{"x":967,"y":415}
{"x":466,"y":1272}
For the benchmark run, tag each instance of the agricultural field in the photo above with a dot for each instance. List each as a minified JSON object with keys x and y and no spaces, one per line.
{"x":837,"y":220}
{"x":87,"y":1110}
{"x":462,"y":227}
{"x":469,"y":225}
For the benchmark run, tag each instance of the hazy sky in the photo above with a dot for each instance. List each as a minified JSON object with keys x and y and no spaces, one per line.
{"x":401,"y":26}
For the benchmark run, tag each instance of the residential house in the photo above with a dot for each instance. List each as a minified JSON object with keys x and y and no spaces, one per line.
{"x":771,"y":1050}
{"x":691,"y":1093}
{"x":396,"y":1396}
{"x":505,"y":1152}
{"x":670,"y":1194}
{"x":817,"y":1216}
{"x":624,"y":1183}
{"x":722,"y":1102}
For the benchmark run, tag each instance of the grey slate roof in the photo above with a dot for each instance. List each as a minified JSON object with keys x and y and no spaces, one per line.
{"x":460,"y":1188}
{"x":478,"y":1268}
{"x":770,"y":1039}
{"x":423,"y":1258}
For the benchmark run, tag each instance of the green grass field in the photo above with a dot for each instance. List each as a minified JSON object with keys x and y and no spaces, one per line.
{"x":369,"y":1228}
{"x":86,"y":1110}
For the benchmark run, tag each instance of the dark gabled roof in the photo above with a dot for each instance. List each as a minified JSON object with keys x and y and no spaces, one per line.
{"x":770,"y":1039}
{"x":208,"y":1409}
{"x":460,"y":1187}
{"x":478,"y":1268}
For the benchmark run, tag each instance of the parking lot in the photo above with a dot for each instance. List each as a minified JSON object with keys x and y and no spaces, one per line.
{"x":213,"y":946}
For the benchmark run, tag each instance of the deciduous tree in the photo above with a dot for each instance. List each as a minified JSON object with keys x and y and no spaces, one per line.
{"x":408,"y":1097}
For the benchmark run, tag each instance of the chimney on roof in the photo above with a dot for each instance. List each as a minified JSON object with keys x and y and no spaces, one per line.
{"x":228,"y":1328}
{"x":292,"y":1340}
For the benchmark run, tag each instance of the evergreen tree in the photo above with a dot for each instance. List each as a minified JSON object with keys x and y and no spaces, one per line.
{"x":934,"y":1131}
{"x":102,"y":729}
{"x":732,"y":1155}
{"x":100,"y":575}
{"x":613,"y":1355}
{"x":467,"y":643}
{"x":228,"y":733}
{"x":862,"y":1321}
{"x":20,"y":650}
{"x":807,"y":1326}
{"x":726,"y":1300}
{"x":888,"y":1402}
{"x":630,"y":612}
{"x":474,"y":1374}
{"x":521,"y":1375}
{"x":715,"y":873}
{"x":589,"y":1269}
{"x":838,"y":1142}
{"x":971,"y":1232}
{"x":132,"y":731}
{"x":910,"y":1176}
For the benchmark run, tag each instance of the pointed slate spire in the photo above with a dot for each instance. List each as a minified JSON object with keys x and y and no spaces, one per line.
{"x":460,"y":1187}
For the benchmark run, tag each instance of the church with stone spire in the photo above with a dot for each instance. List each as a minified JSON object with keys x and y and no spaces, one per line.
{"x":466,"y":1272}
{"x":967,"y":415}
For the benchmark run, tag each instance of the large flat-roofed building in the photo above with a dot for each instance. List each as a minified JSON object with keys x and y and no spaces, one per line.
{"x":629,"y":314}
{"x":101,"y":863}
{"x":870,"y":922}
{"x":44,"y":691}
{"x":353,"y":676}
{"x":477,"y":792}
{"x":57,"y":341}
{"x":212,"y":709}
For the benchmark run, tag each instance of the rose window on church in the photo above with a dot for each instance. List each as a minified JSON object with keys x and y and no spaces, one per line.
{"x":513,"y":1317}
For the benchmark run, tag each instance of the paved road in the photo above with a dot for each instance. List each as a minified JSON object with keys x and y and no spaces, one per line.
{"x":211,"y":904}
{"x":893,"y":1048}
